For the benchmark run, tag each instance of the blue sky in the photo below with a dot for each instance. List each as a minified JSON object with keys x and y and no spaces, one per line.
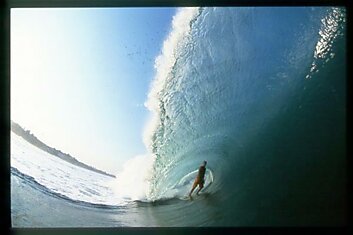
{"x":80,"y":77}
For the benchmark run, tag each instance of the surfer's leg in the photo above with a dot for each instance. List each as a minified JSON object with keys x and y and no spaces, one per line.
{"x":193,"y":188}
{"x":200,"y":187}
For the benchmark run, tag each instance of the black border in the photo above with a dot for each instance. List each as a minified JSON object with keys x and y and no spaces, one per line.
{"x":182,"y":231}
{"x":5,"y":216}
{"x":170,"y":3}
{"x":5,"y":211}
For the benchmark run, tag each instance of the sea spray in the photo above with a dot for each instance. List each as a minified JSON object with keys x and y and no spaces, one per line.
{"x":154,"y":136}
{"x":138,"y":177}
{"x":164,"y":63}
{"x":132,"y":182}
{"x":332,"y":27}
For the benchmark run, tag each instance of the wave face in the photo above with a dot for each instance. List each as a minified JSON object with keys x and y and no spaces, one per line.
{"x":260,"y":94}
{"x":257,"y":92}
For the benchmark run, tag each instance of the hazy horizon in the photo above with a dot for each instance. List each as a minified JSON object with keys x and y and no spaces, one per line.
{"x":80,"y":78}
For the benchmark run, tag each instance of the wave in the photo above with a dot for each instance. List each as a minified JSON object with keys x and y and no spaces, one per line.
{"x":260,"y":94}
{"x":132,"y":186}
{"x":225,"y":76}
{"x":30,"y":181}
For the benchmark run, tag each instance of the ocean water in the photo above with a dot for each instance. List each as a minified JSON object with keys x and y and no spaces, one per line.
{"x":260,"y":93}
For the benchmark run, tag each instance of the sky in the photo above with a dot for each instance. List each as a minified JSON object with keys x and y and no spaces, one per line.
{"x":80,"y":78}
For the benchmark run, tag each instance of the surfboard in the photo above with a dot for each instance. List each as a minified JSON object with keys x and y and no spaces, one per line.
{"x":185,"y":198}
{"x":185,"y":183}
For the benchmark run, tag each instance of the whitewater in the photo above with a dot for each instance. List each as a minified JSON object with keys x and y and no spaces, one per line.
{"x":257,"y":92}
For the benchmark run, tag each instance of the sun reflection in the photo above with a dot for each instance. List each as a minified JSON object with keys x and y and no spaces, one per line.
{"x":331,"y":27}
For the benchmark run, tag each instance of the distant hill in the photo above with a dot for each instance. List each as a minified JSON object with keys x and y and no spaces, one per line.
{"x":28,"y":136}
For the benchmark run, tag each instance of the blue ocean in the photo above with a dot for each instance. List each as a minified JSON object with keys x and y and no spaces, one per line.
{"x":258,"y":92}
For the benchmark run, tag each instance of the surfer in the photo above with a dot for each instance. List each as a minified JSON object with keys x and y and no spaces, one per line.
{"x":199,"y":179}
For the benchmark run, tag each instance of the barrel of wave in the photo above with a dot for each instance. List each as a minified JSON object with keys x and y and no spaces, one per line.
{"x":178,"y":178}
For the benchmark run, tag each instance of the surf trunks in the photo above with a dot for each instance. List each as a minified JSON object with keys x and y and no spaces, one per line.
{"x":199,"y":182}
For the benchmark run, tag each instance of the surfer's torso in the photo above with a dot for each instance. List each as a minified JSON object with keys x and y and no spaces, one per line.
{"x":201,"y":174}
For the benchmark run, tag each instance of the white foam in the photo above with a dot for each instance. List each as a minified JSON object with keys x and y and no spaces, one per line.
{"x":164,"y":64}
{"x":132,"y":183}
{"x":139,"y":186}
{"x":58,"y":175}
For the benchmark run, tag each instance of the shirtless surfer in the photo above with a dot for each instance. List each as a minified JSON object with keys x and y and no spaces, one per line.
{"x":199,"y":179}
